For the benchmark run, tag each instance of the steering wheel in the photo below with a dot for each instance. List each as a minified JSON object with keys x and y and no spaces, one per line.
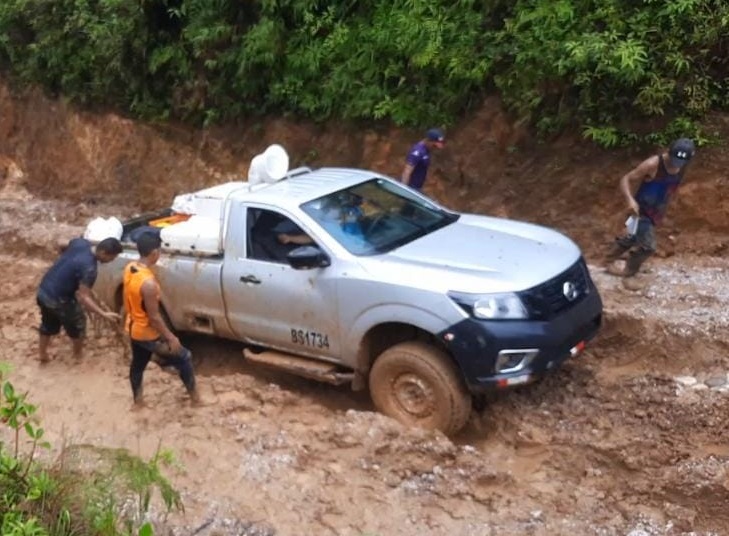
{"x":376,"y":221}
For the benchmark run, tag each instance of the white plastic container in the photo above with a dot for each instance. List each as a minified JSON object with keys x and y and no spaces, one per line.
{"x":99,"y":228}
{"x":199,"y":235}
{"x":631,"y":225}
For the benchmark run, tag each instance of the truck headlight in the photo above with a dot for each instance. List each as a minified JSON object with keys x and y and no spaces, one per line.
{"x":503,"y":306}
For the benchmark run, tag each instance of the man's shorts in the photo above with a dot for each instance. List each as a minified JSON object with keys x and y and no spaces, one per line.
{"x":161,"y":349}
{"x":69,"y":315}
{"x":644,"y":237}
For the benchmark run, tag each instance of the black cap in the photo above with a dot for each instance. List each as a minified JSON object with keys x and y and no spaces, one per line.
{"x":147,"y":243}
{"x":681,"y":151}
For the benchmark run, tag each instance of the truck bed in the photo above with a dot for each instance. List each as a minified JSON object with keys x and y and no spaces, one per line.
{"x":141,"y":221}
{"x":195,"y":239}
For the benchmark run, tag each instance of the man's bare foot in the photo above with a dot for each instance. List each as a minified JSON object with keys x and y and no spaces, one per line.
{"x":138,"y":400}
{"x":196,"y":399}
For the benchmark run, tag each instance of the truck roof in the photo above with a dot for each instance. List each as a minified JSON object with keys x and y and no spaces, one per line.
{"x":304,"y":186}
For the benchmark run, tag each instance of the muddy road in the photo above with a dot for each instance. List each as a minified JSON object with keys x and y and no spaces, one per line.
{"x":630,"y":438}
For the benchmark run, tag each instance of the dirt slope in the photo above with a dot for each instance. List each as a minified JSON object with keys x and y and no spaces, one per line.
{"x":630,"y":438}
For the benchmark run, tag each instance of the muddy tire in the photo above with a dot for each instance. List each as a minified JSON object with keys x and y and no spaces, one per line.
{"x":419,"y":385}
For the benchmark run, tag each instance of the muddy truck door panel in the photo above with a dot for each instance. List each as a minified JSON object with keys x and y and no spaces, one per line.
{"x":269,"y":302}
{"x":191,"y":294}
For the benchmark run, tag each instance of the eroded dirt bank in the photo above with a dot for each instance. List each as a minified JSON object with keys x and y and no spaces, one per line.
{"x":630,"y":438}
{"x":490,"y":165}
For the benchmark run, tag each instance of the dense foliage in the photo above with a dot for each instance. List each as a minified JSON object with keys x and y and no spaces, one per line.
{"x":615,"y":68}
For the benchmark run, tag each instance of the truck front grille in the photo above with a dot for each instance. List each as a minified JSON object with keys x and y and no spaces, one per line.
{"x":559,"y":293}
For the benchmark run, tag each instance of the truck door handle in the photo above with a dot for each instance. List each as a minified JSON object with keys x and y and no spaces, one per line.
{"x":252,"y":279}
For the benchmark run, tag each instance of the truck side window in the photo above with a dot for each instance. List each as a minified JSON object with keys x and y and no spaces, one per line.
{"x":271,"y":235}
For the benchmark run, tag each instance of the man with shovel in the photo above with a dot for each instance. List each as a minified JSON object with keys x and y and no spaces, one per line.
{"x":660,"y":176}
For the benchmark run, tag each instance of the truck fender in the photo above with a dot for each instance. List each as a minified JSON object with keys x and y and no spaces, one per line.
{"x":422,"y":319}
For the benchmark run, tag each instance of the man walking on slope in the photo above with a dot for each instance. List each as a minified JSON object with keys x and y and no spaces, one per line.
{"x":660,"y":176}
{"x":147,"y":330}
{"x":66,"y":286}
{"x":418,"y":158}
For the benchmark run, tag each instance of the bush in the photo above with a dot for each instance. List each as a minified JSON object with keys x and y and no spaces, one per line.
{"x":616,"y":69}
{"x":613,"y":64}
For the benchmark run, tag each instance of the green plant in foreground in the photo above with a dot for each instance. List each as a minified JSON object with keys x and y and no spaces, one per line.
{"x":111,"y":496}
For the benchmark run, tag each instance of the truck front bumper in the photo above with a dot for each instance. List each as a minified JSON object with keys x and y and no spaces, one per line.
{"x":506,"y":353}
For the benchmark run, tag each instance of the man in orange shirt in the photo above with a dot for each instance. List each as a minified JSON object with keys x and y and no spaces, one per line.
{"x":148,"y":332}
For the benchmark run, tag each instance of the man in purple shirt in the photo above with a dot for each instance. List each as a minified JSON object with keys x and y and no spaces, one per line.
{"x":418,"y":159}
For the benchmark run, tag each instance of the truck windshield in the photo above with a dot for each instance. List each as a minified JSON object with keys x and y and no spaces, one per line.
{"x":376,"y":216}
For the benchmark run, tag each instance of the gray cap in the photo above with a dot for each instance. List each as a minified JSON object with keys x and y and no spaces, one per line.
{"x":681,"y":151}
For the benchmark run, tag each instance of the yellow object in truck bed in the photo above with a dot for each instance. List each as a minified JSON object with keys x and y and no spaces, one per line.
{"x":169,"y":220}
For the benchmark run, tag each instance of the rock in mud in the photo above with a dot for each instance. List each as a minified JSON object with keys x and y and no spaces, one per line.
{"x":686,"y":381}
{"x":716,"y":381}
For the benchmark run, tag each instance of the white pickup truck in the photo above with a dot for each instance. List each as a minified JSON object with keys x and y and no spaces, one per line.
{"x":347,"y":276}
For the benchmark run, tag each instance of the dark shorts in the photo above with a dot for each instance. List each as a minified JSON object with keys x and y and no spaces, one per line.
{"x":69,"y":315}
{"x":160,"y":350}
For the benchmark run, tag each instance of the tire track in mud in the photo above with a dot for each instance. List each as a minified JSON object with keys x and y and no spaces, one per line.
{"x":608,"y":444}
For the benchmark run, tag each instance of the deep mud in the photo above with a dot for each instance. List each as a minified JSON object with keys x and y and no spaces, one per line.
{"x":631,"y":438}
{"x":611,"y":444}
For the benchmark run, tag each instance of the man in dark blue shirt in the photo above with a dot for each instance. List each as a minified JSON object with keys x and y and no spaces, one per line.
{"x":67,"y":283}
{"x":418,"y":159}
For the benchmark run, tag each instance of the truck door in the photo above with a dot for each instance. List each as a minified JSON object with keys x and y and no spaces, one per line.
{"x":270,"y":303}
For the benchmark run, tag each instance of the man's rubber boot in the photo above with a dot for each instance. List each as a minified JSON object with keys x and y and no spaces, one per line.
{"x":635,"y":261}
{"x":615,"y":252}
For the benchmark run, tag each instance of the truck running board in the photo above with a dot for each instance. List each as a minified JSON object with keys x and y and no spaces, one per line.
{"x":301,"y":366}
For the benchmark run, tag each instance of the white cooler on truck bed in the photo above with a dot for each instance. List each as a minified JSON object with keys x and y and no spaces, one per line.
{"x":202,"y":233}
{"x":199,"y":235}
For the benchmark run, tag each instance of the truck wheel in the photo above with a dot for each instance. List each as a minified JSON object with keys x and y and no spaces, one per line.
{"x":417,"y":384}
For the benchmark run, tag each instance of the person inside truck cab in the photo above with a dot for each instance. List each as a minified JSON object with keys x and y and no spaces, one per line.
{"x":341,"y":212}
{"x":351,"y":214}
{"x":272,"y":236}
{"x":288,"y":233}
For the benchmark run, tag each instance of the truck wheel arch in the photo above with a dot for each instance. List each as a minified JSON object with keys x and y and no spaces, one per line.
{"x":386,"y":335}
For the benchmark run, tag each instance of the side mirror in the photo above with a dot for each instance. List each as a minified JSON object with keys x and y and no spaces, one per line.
{"x":307,"y":258}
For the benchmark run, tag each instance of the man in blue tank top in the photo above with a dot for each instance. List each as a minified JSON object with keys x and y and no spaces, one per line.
{"x":660,"y":176}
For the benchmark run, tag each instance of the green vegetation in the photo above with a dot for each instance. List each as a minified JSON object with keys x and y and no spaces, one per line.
{"x":619,"y":70}
{"x":89,"y":490}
